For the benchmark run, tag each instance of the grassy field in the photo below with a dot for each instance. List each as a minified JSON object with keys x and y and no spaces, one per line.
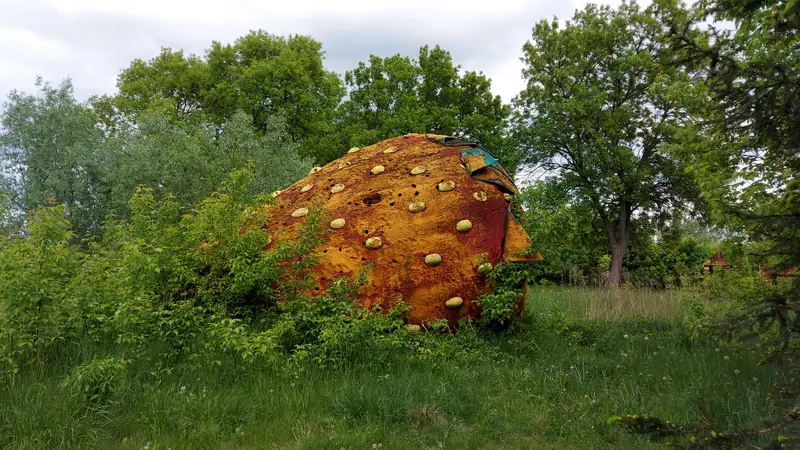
{"x":576,"y":358}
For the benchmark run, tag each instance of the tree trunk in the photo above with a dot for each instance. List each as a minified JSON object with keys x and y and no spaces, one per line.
{"x":615,"y":271}
{"x":618,"y":239}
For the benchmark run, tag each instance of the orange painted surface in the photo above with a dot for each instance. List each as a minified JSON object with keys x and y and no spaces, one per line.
{"x":375,"y":203}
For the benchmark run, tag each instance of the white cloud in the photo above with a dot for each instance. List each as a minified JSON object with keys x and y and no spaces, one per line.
{"x":91,"y":41}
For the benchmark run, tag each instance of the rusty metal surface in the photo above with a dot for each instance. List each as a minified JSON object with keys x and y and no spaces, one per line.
{"x":401,"y":204}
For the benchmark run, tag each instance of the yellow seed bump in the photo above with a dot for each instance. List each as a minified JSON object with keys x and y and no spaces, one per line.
{"x":454,"y":302}
{"x":433,"y":259}
{"x":412,"y":327}
{"x":276,"y":193}
{"x":300,"y":212}
{"x":480,"y":196}
{"x":344,"y":164}
{"x":337,"y":223}
{"x":463,"y":226}
{"x":507,"y":196}
{"x":446,"y":186}
{"x":337,"y":188}
{"x":418,"y":170}
{"x":353,"y":150}
{"x":416,"y":207}
{"x":374,"y":242}
{"x":377,"y":169}
{"x":315,"y":170}
{"x":485,"y":268}
{"x":391,"y":149}
{"x":307,"y":188}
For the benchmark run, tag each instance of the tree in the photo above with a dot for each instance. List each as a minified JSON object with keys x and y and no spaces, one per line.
{"x":602,"y":99}
{"x":261,"y":74}
{"x":395,"y":95}
{"x":50,"y":145}
{"x":564,"y":231}
{"x":745,"y":152}
{"x":190,"y":161}
{"x":54,"y":151}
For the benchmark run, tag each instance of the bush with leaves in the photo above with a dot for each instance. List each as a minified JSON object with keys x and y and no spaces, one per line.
{"x":37,"y":286}
{"x":163,"y":277}
{"x":499,"y":305}
{"x":97,"y":381}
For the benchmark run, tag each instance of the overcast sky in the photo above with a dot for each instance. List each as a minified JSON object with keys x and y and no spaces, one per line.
{"x":91,"y":41}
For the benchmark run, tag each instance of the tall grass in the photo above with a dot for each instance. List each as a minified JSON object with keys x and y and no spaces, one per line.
{"x":549,"y":382}
{"x":608,"y":305}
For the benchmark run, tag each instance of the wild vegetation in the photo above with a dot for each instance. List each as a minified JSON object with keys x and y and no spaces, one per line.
{"x":139,"y":309}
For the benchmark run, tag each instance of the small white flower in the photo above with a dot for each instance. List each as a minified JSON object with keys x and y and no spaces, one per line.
{"x":571,"y":367}
{"x":640,"y":374}
{"x":183,"y":388}
{"x":626,"y":336}
{"x":716,"y":349}
{"x":374,"y":445}
{"x":624,"y":355}
{"x":664,"y":378}
{"x":727,"y":358}
{"x":619,"y":366}
{"x":736,"y":371}
{"x":147,"y":446}
{"x":646,"y":338}
{"x":755,"y":380}
{"x":655,"y":353}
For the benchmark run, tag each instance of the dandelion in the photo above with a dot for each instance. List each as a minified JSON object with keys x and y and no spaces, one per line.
{"x":646,"y":338}
{"x":374,"y":445}
{"x":571,"y":367}
{"x":736,"y":371}
{"x":183,"y":388}
{"x":624,"y":355}
{"x":626,"y":336}
{"x":619,"y":366}
{"x":655,"y":353}
{"x":640,"y":374}
{"x":727,"y":358}
{"x":664,"y":378}
{"x":147,"y":446}
{"x":755,"y":380}
{"x":716,"y":349}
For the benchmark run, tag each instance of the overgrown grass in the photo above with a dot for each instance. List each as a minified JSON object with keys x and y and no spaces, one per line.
{"x":610,"y":305}
{"x":551,"y":381}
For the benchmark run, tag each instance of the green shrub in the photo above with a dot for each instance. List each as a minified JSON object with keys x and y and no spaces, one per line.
{"x":37,"y":287}
{"x":96,"y":381}
{"x":499,"y":305}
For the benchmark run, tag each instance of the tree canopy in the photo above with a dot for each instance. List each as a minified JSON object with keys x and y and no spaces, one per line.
{"x":261,"y":74}
{"x":395,"y":95}
{"x":602,"y":99}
